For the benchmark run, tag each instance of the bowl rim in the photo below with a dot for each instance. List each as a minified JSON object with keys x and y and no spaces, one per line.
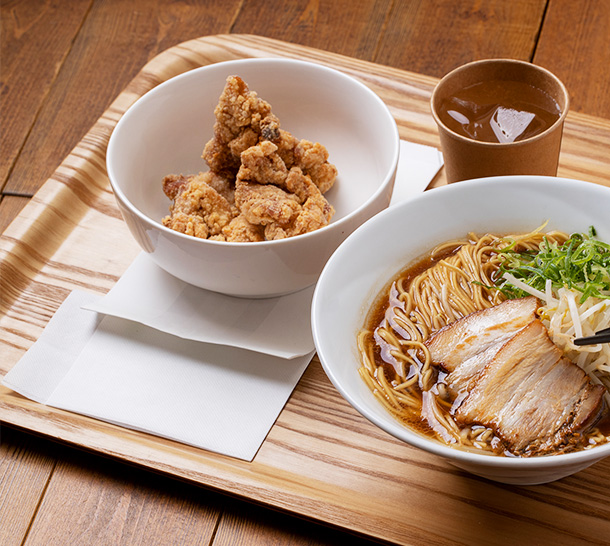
{"x":221,"y":66}
{"x":393,"y":427}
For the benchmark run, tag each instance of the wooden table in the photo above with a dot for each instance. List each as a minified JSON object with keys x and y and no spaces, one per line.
{"x":63,"y":63}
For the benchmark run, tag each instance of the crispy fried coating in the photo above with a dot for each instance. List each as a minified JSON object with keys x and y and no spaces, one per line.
{"x":263,"y":182}
{"x":224,"y":186}
{"x":239,"y":230}
{"x":265,"y":204}
{"x":174,"y":184}
{"x":238,"y":125}
{"x":316,"y":211}
{"x":262,"y":164}
{"x":286,"y":202}
{"x":198,"y":209}
{"x":311,"y":158}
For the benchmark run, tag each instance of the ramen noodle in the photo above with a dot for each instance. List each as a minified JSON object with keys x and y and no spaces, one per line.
{"x":455,"y":280}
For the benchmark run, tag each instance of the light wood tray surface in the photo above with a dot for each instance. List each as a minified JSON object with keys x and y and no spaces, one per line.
{"x":321,"y":460}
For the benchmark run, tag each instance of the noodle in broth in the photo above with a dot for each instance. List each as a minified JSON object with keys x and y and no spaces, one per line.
{"x":395,"y":362}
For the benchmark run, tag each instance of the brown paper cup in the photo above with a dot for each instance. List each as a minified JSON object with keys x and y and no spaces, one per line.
{"x":466,"y":158}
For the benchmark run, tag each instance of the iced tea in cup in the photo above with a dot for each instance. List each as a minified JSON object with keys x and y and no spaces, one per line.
{"x":499,"y":117}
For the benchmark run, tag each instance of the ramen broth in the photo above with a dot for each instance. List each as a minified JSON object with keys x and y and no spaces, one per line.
{"x":385,"y":305}
{"x":378,"y":353}
{"x":499,"y":111}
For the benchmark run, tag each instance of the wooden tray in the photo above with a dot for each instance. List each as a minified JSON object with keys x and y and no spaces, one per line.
{"x":321,"y":459}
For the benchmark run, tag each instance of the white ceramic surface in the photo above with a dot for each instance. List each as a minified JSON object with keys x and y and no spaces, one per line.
{"x":367,"y":261}
{"x":165,"y":132}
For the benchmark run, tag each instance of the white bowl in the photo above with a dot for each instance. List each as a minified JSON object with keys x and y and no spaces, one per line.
{"x":364,"y":264}
{"x":165,"y":131}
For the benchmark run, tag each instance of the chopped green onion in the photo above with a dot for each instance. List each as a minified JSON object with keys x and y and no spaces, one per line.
{"x":581,"y":263}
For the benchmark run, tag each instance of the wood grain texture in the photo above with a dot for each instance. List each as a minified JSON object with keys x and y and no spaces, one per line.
{"x":314,"y":23}
{"x":92,"y":74}
{"x":26,"y":466}
{"x":120,"y":505}
{"x":321,"y":459}
{"x":411,"y":35}
{"x":434,"y":37}
{"x":28,"y":28}
{"x":243,"y":523}
{"x":579,"y":52}
{"x":10,"y":207}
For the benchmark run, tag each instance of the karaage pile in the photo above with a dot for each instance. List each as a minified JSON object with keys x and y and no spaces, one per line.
{"x":263,"y":183}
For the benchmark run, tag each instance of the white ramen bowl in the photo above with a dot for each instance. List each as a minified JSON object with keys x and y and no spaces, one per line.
{"x":166,"y":130}
{"x":371,"y":257}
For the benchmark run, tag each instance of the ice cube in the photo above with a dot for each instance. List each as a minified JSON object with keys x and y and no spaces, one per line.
{"x":508,"y":124}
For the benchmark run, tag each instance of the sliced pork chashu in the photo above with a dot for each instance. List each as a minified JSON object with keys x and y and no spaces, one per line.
{"x":532,"y":397}
{"x":507,"y":374}
{"x":464,"y":347}
{"x":473,"y":334}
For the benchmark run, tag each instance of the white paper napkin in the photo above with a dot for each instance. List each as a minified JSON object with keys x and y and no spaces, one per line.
{"x":417,"y":167}
{"x":210,"y":396}
{"x":165,"y":358}
{"x":147,"y":294}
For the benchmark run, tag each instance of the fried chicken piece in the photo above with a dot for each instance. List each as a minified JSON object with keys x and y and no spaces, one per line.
{"x":198,"y":209}
{"x":263,"y":182}
{"x":286,"y":144}
{"x":189,"y":224}
{"x":285,"y":141}
{"x":286,"y":202}
{"x":239,"y":230}
{"x":258,"y":188}
{"x":173,"y":184}
{"x":239,"y":113}
{"x":265,"y":204}
{"x":311,"y":158}
{"x":262,"y":164}
{"x":316,"y":211}
{"x":224,"y":186}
